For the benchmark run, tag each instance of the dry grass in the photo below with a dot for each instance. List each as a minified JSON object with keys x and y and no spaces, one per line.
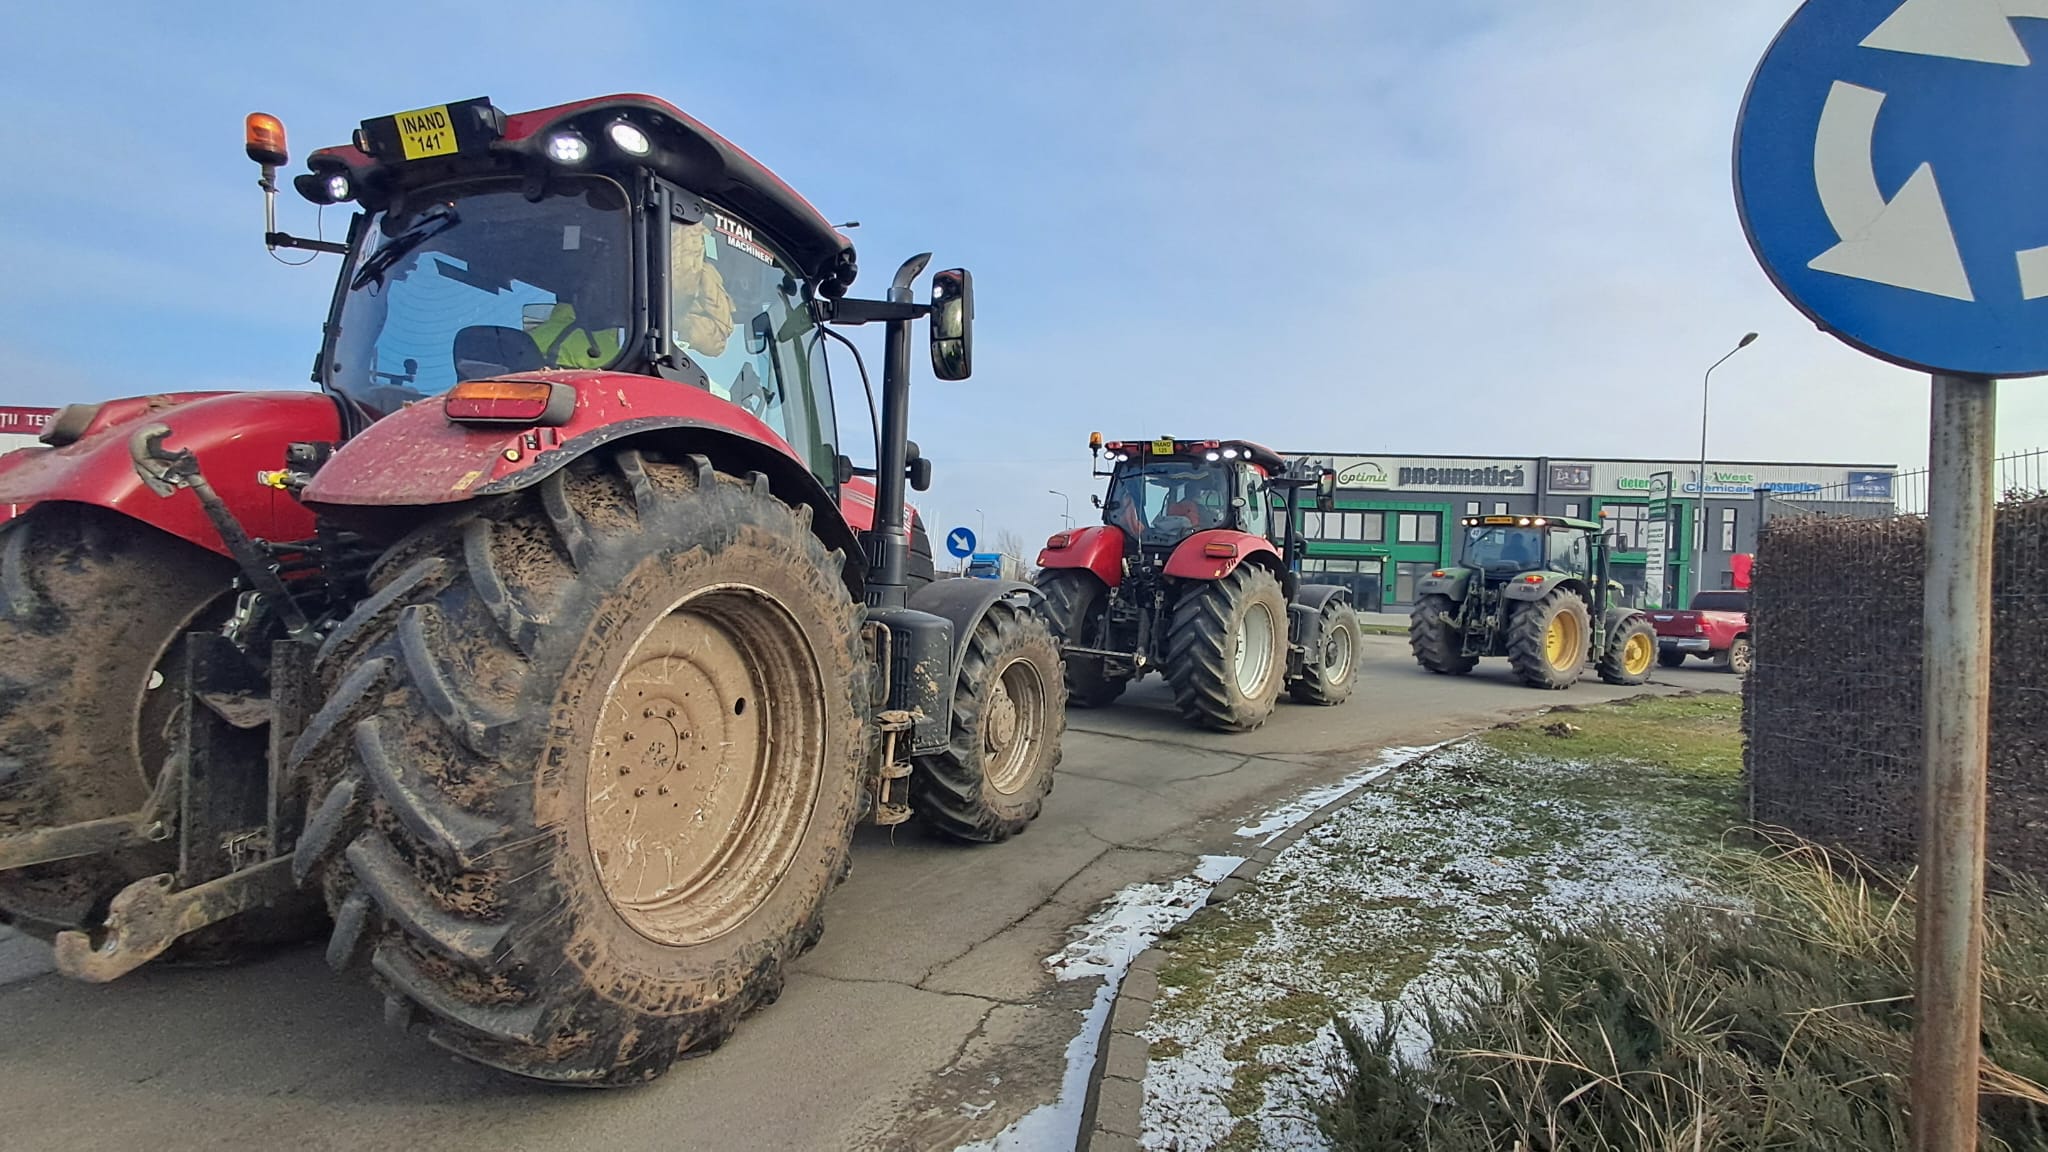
{"x":1783,"y":1025}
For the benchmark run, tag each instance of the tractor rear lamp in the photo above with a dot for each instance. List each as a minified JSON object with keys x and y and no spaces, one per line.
{"x":1532,"y":578}
{"x":1220,"y":549}
{"x":1060,"y":540}
{"x":1439,"y":574}
{"x":520,"y":402}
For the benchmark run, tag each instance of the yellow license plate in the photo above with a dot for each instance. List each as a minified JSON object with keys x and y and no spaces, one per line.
{"x":1163,"y":447}
{"x":426,"y":133}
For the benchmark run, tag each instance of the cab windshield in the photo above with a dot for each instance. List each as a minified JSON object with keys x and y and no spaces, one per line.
{"x":474,"y":280}
{"x":1165,"y":501}
{"x":1501,"y":549}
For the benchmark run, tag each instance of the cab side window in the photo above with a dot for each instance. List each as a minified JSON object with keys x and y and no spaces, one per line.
{"x":1568,"y":553}
{"x":1256,"y":495}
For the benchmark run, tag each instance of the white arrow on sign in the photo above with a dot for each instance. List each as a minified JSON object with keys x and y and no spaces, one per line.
{"x":1906,"y":243}
{"x":959,"y":541}
{"x":1979,"y":30}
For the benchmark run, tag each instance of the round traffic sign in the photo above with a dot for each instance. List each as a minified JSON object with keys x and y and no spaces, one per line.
{"x":1892,"y":178}
{"x":960,"y":543}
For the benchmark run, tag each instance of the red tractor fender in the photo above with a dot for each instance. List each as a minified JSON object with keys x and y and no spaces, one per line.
{"x":417,"y":457}
{"x":235,"y":435}
{"x":1193,"y":559}
{"x":1098,"y":548}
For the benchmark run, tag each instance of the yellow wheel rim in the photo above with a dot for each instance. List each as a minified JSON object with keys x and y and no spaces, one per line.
{"x":1562,"y":644}
{"x":1637,"y":653}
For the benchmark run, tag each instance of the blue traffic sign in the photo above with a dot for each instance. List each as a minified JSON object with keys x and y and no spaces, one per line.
{"x":960,"y":542}
{"x":1891,"y":173}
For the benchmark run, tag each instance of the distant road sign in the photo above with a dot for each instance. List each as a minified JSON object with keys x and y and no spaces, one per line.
{"x":960,"y":543}
{"x":1891,"y":178}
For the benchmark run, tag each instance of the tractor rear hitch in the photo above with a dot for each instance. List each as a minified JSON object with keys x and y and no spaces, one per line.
{"x":166,"y":470}
{"x":153,"y":824}
{"x":147,"y":917}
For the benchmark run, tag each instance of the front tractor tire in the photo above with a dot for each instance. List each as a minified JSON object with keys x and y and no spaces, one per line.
{"x":1630,"y":653}
{"x":1330,"y":683}
{"x":1009,"y":712}
{"x":599,"y":761}
{"x":1434,"y":640}
{"x":1226,"y":650}
{"x":1547,"y":640}
{"x":1075,"y":604}
{"x":93,"y":611}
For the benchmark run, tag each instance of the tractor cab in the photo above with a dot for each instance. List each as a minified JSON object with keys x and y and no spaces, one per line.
{"x":1163,"y":491}
{"x":613,"y":235}
{"x":1501,"y":548}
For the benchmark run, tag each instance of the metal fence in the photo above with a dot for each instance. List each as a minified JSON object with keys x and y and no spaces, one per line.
{"x":1832,"y":702}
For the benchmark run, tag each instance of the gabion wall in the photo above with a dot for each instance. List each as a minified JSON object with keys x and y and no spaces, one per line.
{"x":1832,"y":703}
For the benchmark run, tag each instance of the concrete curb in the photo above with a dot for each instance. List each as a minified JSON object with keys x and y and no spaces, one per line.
{"x":1111,"y":1119}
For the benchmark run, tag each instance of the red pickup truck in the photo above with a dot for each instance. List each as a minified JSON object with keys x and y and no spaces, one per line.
{"x":1715,"y":628}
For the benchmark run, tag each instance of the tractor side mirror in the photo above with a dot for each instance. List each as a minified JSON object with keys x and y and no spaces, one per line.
{"x":952,"y":324}
{"x":1326,"y":490}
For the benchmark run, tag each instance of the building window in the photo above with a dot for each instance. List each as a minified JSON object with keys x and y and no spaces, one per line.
{"x":1727,"y":529}
{"x":1627,"y":522}
{"x":1405,"y":574}
{"x":1572,"y":510}
{"x":1471,"y":507}
{"x":1416,"y":528}
{"x":1374,"y":530}
{"x":1312,"y":525}
{"x":1500,"y":508}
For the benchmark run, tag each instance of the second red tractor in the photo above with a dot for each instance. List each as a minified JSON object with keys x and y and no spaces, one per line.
{"x":1183,"y":577}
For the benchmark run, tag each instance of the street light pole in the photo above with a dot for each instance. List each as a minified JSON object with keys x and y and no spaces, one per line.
{"x":1068,"y":514}
{"x":1699,"y":535}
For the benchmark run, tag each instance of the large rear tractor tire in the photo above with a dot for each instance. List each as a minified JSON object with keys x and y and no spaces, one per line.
{"x":93,"y":611}
{"x":1436,"y":644}
{"x":1631,"y":652}
{"x":1226,"y":650}
{"x":599,"y":758}
{"x":1009,"y":710}
{"x":1547,"y":640}
{"x":1332,"y":682}
{"x":1074,"y":603}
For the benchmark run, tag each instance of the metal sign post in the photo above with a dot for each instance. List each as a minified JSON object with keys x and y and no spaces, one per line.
{"x":1887,"y":172}
{"x":1955,"y":678}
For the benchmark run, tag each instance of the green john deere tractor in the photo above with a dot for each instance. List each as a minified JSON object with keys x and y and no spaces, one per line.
{"x":1535,"y":590}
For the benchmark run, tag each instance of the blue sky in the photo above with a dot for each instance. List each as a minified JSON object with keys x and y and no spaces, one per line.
{"x":1487,"y":228}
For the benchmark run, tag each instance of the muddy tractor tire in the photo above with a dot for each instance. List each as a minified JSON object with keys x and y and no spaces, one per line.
{"x":919,"y":568}
{"x":93,"y":610}
{"x":1436,"y":645}
{"x":1670,"y":658}
{"x":1547,"y":640}
{"x":1009,"y":711}
{"x":599,"y":762}
{"x":1226,"y":650}
{"x":1630,"y":652}
{"x":1331,"y":683}
{"x":1074,"y":605}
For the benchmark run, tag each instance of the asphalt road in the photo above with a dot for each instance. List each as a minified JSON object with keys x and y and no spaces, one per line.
{"x":923,"y":1020}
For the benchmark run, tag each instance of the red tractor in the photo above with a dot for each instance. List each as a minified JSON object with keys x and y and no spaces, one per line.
{"x":552,"y":648}
{"x":1183,"y":576}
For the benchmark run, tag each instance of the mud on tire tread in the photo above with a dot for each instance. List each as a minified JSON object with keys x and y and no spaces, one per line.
{"x":93,"y":601}
{"x":950,"y":791}
{"x":1435,"y":645}
{"x":449,"y":841}
{"x":1201,"y":650}
{"x":1070,"y":598}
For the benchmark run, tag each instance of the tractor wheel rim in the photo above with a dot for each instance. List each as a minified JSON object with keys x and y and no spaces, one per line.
{"x":707,"y":762}
{"x":1013,"y":729}
{"x":1254,"y":649}
{"x":1337,"y":656}
{"x":1637,"y":653}
{"x":1561,"y":641}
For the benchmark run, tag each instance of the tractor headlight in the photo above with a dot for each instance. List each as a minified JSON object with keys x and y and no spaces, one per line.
{"x":629,"y":139}
{"x":339,"y":187}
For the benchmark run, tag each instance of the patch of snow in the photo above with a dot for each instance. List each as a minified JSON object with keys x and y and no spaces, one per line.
{"x":1376,"y":911}
{"x":1275,"y":823}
